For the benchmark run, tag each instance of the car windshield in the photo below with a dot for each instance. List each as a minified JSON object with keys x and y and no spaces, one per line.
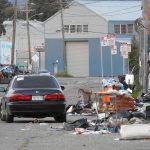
{"x":35,"y":82}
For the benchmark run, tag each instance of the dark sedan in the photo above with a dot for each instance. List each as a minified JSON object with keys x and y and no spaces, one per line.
{"x":33,"y":96}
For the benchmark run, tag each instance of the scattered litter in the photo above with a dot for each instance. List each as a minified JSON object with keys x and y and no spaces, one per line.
{"x":25,"y":129}
{"x":70,"y":109}
{"x":117,"y":139}
{"x":114,"y":109}
{"x":43,"y":124}
{"x":86,"y":132}
{"x":80,"y":123}
{"x":79,"y":130}
{"x":136,"y":120}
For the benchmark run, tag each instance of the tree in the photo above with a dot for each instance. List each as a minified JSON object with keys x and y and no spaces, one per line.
{"x":134,"y":65}
{"x":4,"y":5}
{"x":47,"y":7}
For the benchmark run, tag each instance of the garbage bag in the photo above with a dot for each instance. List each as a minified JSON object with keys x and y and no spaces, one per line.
{"x":138,"y":114}
{"x":119,"y":118}
{"x":80,"y":123}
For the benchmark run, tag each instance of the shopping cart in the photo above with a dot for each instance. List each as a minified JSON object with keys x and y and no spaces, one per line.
{"x":112,"y":102}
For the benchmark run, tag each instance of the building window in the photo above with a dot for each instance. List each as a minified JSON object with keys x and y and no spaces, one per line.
{"x":117,"y":29}
{"x":130,"y":28}
{"x":72,"y":28}
{"x":123,"y":29}
{"x":85,"y":28}
{"x":75,"y":28}
{"x":79,"y":28}
{"x":66,"y":28}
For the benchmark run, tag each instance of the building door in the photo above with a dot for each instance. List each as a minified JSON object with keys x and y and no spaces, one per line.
{"x":78,"y":58}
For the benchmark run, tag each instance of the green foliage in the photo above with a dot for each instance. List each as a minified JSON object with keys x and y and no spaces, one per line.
{"x":134,"y":59}
{"x":47,"y":7}
{"x":62,"y":74}
{"x":134,"y":65}
{"x":3,"y":14}
{"x":137,"y":90}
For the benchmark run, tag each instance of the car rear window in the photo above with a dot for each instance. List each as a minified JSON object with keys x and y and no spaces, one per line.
{"x":35,"y":82}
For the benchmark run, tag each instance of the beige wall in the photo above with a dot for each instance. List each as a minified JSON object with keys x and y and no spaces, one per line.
{"x":76,"y":14}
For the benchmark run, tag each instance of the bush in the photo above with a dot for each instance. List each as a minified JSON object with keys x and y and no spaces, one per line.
{"x":137,"y":90}
{"x":63,"y":74}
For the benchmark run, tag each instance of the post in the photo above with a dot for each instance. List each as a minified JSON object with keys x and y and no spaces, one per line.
{"x":28,"y":31}
{"x":123,"y":65}
{"x":14,"y":33}
{"x":128,"y":66}
{"x":101,"y":62}
{"x":39,"y":60}
{"x":111,"y":64}
{"x":63,"y":37}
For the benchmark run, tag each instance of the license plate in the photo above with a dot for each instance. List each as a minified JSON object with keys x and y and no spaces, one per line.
{"x":37,"y":98}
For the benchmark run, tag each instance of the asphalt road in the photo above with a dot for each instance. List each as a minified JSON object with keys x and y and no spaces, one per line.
{"x":46,"y":134}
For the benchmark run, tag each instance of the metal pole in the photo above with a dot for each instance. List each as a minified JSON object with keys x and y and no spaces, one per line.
{"x":111,"y":64}
{"x":28,"y":31}
{"x":123,"y":65}
{"x":63,"y":37}
{"x":101,"y":62}
{"x":14,"y":33}
{"x":128,"y":66}
{"x":39,"y":60}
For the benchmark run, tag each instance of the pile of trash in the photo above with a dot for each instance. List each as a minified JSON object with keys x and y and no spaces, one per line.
{"x":114,"y":110}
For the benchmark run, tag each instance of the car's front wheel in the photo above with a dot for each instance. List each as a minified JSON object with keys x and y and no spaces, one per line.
{"x":60,"y":118}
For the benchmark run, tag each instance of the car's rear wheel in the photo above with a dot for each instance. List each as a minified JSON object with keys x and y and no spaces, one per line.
{"x":9,"y":118}
{"x":2,"y":115}
{"x":60,"y":118}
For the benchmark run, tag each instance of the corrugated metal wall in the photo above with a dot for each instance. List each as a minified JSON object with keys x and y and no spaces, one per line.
{"x":54,"y":51}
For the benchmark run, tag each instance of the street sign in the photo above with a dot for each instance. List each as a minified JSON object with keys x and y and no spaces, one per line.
{"x":35,"y":58}
{"x":29,"y":67}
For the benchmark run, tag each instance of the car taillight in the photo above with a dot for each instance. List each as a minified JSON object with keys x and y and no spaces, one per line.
{"x":19,"y":97}
{"x":56,"y":96}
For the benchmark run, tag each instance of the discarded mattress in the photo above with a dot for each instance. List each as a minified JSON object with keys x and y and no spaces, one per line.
{"x":135,"y":131}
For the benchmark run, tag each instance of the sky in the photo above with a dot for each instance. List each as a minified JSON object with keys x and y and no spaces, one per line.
{"x":20,"y":2}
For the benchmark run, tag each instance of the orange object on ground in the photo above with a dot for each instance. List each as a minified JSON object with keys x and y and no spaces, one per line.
{"x":105,"y":99}
{"x":114,"y":102}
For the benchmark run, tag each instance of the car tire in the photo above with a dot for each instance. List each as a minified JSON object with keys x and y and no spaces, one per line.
{"x":2,"y":116}
{"x":60,"y":118}
{"x":9,"y":118}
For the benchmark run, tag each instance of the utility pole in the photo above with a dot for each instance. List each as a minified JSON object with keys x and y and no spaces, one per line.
{"x":14,"y":33}
{"x":146,"y":16}
{"x":63,"y":36}
{"x":28,"y":30}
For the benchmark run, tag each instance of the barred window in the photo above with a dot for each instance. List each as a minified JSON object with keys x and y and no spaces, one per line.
{"x":130,"y":28}
{"x":117,"y":29}
{"x":72,"y":28}
{"x":79,"y":28}
{"x":66,"y":28}
{"x":123,"y":29}
{"x":85,"y":28}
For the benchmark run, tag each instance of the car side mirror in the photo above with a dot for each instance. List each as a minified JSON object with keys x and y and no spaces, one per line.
{"x":62,"y":87}
{"x":2,"y":89}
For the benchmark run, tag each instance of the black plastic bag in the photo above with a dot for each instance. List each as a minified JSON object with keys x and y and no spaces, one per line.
{"x":81,"y":123}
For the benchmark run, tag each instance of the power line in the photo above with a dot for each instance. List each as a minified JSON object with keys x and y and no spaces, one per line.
{"x":120,"y":10}
{"x":124,"y":13}
{"x":107,"y":12}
